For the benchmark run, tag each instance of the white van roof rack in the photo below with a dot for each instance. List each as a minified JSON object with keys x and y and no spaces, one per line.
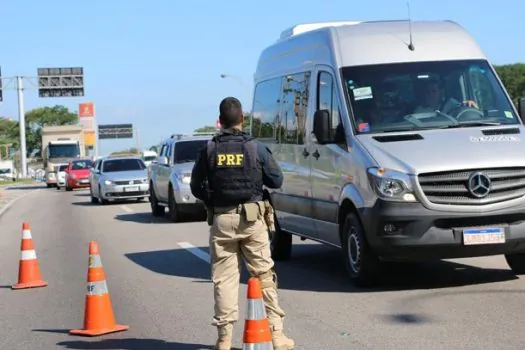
{"x":306,"y":27}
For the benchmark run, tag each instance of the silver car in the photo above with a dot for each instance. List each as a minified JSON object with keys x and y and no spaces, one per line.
{"x":118,"y":178}
{"x":170,"y":177}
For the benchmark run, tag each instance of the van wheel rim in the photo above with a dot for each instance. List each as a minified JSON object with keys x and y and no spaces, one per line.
{"x":354,"y":250}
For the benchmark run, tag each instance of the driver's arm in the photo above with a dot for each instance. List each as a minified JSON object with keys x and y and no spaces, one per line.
{"x":471,"y":104}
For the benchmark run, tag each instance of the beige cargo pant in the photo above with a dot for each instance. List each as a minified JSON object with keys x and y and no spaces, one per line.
{"x":231,"y":240}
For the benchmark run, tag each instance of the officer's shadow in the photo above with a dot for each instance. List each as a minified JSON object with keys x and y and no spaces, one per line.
{"x":132,"y":344}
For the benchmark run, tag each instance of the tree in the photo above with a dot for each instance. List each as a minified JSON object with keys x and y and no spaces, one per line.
{"x":513,"y":77}
{"x":8,"y":136}
{"x":207,"y":128}
{"x":45,"y":116}
{"x":154,"y":149}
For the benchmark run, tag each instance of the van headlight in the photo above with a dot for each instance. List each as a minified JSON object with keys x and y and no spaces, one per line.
{"x":108,"y":182}
{"x":185,"y":178}
{"x":391,"y":185}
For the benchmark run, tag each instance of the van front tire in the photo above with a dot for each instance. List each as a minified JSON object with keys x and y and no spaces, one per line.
{"x":362,"y":264}
{"x":516,"y":262}
{"x":280,"y":243}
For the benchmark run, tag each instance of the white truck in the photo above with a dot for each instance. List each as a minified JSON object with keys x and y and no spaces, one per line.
{"x":60,"y":144}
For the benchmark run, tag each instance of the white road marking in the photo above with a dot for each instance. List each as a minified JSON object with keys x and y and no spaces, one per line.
{"x":199,"y":253}
{"x":10,"y":203}
{"x":126,"y":208}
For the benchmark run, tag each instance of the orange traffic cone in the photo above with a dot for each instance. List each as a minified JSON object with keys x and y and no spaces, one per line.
{"x":28,"y":270}
{"x":98,"y":313}
{"x":257,"y":335}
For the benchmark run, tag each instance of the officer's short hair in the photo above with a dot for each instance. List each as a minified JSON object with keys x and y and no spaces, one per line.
{"x":230,"y":111}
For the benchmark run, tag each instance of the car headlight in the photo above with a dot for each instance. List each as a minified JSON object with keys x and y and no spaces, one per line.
{"x":185,"y":178}
{"x":108,"y":182}
{"x":391,"y":185}
{"x":144,"y":181}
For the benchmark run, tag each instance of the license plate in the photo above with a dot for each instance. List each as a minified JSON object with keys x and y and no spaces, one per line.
{"x":489,"y":235}
{"x":131,"y":189}
{"x":84,"y":181}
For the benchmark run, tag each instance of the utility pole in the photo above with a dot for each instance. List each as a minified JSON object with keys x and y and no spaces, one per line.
{"x":22,"y":126}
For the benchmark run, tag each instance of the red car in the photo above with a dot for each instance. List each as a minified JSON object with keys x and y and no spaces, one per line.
{"x":77,"y":174}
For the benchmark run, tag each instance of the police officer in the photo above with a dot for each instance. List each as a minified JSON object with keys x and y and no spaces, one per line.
{"x":228,"y":176}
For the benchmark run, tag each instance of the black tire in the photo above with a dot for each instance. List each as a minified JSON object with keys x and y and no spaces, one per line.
{"x":48,"y":185}
{"x":362,"y":264}
{"x":93,"y":199}
{"x":69,"y":189}
{"x":174,"y":214}
{"x":101,"y":200}
{"x":58,"y":188}
{"x":280,"y":243}
{"x":156,"y":209}
{"x":516,"y":262}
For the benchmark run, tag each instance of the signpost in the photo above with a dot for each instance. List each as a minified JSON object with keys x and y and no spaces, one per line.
{"x":61,"y":82}
{"x":115,"y":131}
{"x":52,"y":82}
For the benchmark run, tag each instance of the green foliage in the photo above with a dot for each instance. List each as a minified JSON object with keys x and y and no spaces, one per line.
{"x":513,"y":77}
{"x":8,"y":136}
{"x":207,"y":128}
{"x":154,"y":149}
{"x":45,"y":116}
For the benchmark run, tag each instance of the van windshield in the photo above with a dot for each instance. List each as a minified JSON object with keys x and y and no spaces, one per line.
{"x":426,"y":95}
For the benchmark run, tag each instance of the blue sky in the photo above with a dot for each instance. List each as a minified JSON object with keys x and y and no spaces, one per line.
{"x":157,"y":63}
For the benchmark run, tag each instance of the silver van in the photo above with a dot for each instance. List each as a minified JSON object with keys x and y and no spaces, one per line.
{"x":397,"y":142}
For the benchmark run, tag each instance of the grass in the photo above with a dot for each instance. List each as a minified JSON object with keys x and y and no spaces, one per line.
{"x":6,"y":183}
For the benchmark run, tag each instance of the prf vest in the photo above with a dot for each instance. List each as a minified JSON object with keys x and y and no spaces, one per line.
{"x":235,"y":173}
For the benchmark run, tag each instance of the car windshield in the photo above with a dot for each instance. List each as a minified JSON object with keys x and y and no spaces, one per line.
{"x":62,"y":168}
{"x":81,"y":165}
{"x":187,"y":151}
{"x":426,"y":95}
{"x":114,"y":165}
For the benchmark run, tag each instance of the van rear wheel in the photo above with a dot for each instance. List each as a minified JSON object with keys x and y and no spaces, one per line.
{"x":362,"y":264}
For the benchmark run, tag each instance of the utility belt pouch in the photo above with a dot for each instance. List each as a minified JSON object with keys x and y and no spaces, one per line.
{"x":251,"y":212}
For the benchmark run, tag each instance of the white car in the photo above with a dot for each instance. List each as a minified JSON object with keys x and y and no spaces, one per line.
{"x":61,"y":175}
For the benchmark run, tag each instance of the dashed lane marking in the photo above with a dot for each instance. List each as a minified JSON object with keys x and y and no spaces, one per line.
{"x":126,"y":208}
{"x":199,"y":253}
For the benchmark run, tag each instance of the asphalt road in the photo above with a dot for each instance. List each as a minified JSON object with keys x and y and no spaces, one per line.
{"x":158,"y":279}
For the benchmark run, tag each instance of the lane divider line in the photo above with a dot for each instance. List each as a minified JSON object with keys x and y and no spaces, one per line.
{"x":199,"y":253}
{"x":126,"y":208}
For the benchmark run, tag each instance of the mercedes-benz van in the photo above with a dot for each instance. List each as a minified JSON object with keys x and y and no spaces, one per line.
{"x":397,"y":142}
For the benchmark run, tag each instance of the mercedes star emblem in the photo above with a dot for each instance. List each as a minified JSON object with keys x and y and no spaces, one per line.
{"x":479,"y":185}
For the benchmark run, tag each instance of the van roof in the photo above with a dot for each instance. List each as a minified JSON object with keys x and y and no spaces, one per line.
{"x":354,"y":43}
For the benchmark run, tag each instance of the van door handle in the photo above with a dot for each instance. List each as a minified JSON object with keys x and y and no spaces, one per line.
{"x":316,"y":154}
{"x":305,"y":153}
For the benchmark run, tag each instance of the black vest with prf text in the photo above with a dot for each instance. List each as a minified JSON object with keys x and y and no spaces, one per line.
{"x":235,"y":173}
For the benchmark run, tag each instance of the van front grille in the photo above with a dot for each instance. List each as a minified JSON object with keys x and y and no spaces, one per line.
{"x":452,"y":187}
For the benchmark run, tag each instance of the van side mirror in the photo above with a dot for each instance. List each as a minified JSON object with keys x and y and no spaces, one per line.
{"x":322,"y":126}
{"x":162,"y":160}
{"x":521,"y":107}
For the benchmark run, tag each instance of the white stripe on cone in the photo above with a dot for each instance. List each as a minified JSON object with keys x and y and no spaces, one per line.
{"x":28,"y":255}
{"x":26,"y":234}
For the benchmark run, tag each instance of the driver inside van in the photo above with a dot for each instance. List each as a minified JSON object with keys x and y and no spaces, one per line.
{"x":433,"y":100}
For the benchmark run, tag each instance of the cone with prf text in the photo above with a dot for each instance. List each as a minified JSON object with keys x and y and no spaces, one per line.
{"x":98,"y":313}
{"x":257,"y":335}
{"x":28,"y":271}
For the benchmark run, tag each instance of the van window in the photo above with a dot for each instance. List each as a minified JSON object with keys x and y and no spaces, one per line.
{"x":266,"y":109}
{"x":426,"y":95}
{"x":327,"y":99}
{"x":279,"y":109}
